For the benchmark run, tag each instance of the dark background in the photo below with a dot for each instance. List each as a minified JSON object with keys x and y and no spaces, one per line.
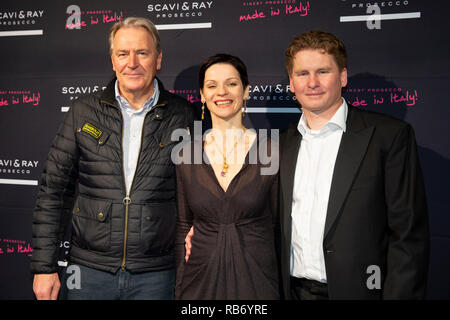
{"x":404,"y":66}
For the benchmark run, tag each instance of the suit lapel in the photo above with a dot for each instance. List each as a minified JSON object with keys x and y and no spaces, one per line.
{"x":351,"y":152}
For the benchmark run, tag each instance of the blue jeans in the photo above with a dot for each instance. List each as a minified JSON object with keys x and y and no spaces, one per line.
{"x":83,"y":283}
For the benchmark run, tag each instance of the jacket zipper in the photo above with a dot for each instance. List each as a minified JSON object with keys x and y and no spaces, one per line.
{"x":127,"y":200}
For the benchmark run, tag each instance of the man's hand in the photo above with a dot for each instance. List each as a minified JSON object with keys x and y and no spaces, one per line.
{"x":46,"y":286}
{"x":188,"y":244}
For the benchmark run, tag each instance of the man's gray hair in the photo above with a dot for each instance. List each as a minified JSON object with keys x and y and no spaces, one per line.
{"x":135,"y":22}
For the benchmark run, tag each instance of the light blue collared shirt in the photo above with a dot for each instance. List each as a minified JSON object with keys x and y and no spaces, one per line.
{"x":133,"y":120}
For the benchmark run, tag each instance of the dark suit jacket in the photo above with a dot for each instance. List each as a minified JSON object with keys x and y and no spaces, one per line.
{"x":377,"y":212}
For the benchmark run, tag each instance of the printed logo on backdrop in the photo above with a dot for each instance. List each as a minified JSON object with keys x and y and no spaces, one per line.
{"x":364,"y":4}
{"x":271,"y":98}
{"x":19,"y":98}
{"x":263,"y":97}
{"x":72,"y":92}
{"x":16,"y":168}
{"x":373,"y":96}
{"x":271,"y":93}
{"x":191,"y":95}
{"x":21,"y":22}
{"x":15,"y":247}
{"x":375,"y":13}
{"x":64,"y":246}
{"x":176,"y":15}
{"x":274,"y":9}
{"x":81,"y":19}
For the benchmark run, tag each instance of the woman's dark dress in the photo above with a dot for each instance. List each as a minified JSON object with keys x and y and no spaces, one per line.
{"x":233,"y":253}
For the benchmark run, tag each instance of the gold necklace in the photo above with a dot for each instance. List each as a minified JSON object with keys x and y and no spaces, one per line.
{"x":225,"y":164}
{"x":224,"y":156}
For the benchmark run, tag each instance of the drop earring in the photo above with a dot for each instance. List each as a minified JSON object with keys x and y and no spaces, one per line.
{"x":203,"y":110}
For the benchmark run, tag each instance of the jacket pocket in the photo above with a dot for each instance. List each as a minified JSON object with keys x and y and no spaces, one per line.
{"x":158,"y":223}
{"x":92,"y":224}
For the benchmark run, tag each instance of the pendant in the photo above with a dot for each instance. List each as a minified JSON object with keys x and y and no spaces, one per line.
{"x":224,"y":169}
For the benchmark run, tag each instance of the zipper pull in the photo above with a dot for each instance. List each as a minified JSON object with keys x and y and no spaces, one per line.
{"x":126,"y":200}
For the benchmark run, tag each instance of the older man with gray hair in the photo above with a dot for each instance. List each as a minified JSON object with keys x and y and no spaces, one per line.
{"x":114,"y":148}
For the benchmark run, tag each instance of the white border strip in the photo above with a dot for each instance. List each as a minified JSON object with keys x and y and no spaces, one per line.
{"x":272,"y":110}
{"x":390,"y":16}
{"x":205,"y":25}
{"x":21,"y":33}
{"x":19,"y":182}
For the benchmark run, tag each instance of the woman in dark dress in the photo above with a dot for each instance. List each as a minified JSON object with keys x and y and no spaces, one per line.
{"x":228,"y":199}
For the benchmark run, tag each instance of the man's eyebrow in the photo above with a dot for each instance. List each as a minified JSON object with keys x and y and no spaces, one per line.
{"x":126,"y":50}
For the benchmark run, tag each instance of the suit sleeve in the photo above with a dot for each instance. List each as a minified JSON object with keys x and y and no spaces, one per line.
{"x":408,"y":251}
{"x":184,"y":223}
{"x":55,"y":198}
{"x":274,"y":205}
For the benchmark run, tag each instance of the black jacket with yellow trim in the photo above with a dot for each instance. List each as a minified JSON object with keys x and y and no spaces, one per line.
{"x":110,"y":229}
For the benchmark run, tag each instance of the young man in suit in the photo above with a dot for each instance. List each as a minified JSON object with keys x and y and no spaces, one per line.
{"x":353,"y":208}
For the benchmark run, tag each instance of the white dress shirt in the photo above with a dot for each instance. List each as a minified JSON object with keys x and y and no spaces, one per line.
{"x":312,"y":183}
{"x":133,"y":120}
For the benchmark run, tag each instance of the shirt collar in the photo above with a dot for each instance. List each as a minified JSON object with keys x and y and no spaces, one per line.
{"x":123,"y":103}
{"x":338,"y":121}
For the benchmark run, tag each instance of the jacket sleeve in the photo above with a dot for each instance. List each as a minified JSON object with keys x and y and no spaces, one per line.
{"x":55,"y":197}
{"x":408,"y":251}
{"x":190,"y":115}
{"x":184,"y":223}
